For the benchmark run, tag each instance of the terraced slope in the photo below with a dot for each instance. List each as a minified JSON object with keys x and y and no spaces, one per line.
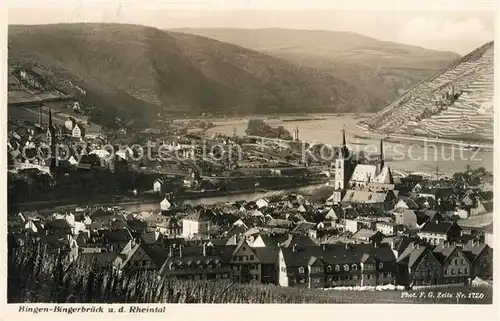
{"x":456,"y":104}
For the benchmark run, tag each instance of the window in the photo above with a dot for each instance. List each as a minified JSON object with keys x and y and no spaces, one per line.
{"x":337,"y":268}
{"x":354,"y":267}
{"x":329,"y":268}
{"x":240,"y":258}
{"x":301,"y":270}
{"x":459,"y":271}
{"x":218,"y":265}
{"x":251,"y":257}
{"x":381,"y":265}
{"x":355,"y":277}
{"x":316,"y":280}
{"x":302,"y":280}
{"x":368,"y":276}
{"x":370,"y":197}
{"x":456,"y":261}
{"x":466,"y":271}
{"x":346,"y":267}
{"x":445,"y":272}
{"x":329,"y":279}
{"x":380,"y":275}
{"x":452,"y":271}
{"x":385,"y":274}
{"x":336,"y":278}
{"x":462,"y":261}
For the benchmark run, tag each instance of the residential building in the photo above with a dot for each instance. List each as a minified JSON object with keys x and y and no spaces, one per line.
{"x":367,"y":236}
{"x":335,"y":265}
{"x":435,"y":231}
{"x":196,"y":224}
{"x":481,"y":257}
{"x":418,"y":265}
{"x":456,"y":267}
{"x":197,"y":263}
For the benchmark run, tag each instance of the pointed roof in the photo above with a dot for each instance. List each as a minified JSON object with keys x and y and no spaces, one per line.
{"x":344,"y":152}
{"x":385,"y":176}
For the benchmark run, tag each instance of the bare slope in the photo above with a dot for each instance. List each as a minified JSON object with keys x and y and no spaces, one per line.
{"x":131,"y":70}
{"x":384,"y":69}
{"x":457,"y":103}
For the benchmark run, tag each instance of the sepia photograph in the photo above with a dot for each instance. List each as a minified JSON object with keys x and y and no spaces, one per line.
{"x":165,"y":153}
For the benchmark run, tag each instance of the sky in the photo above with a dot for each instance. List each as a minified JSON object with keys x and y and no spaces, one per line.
{"x":458,"y":25}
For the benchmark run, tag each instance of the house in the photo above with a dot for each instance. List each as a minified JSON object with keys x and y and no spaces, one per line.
{"x":135,"y":257}
{"x":245,"y":263}
{"x":436,"y":193}
{"x":158,"y":185}
{"x":383,"y":201}
{"x":165,"y":204}
{"x":197,"y":223}
{"x":387,"y":228}
{"x":488,"y":235}
{"x":333,"y":265}
{"x":334,"y":213}
{"x":481,"y":257}
{"x":408,"y":217}
{"x":263,"y":202}
{"x":336,"y":197}
{"x":435,"y":231}
{"x":305,"y":228}
{"x":300,"y":239}
{"x":407,"y":203}
{"x":78,"y":131}
{"x":456,"y":267}
{"x":418,"y":265}
{"x":203,"y":262}
{"x":367,"y":236}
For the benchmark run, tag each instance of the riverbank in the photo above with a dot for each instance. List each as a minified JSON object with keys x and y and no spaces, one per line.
{"x":153,"y":202}
{"x":442,"y":141}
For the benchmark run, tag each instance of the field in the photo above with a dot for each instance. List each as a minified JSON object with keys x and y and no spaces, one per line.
{"x":36,"y":276}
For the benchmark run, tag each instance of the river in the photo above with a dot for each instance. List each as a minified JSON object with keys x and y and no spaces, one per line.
{"x":407,"y":155}
{"x":155,"y":206}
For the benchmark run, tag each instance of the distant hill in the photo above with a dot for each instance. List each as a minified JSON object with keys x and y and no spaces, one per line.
{"x":457,"y":103}
{"x":136,"y":72}
{"x":384,"y":69}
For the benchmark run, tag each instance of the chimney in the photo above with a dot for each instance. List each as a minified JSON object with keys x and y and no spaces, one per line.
{"x":180,"y":250}
{"x":204,"y":249}
{"x":294,"y":248}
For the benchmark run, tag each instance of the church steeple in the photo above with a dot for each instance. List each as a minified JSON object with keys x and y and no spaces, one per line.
{"x":50,"y":118}
{"x":381,"y":153}
{"x":342,"y":166}
{"x":51,"y":131}
{"x":344,"y":152}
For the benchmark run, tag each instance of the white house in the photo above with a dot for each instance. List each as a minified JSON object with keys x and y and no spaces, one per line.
{"x":157,"y":185}
{"x":78,"y":131}
{"x":165,"y":205}
{"x":263,"y":202}
{"x":195,"y":224}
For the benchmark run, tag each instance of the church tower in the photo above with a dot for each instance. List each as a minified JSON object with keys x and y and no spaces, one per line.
{"x":51,"y":141}
{"x":342,"y":166}
{"x":380,"y":161}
